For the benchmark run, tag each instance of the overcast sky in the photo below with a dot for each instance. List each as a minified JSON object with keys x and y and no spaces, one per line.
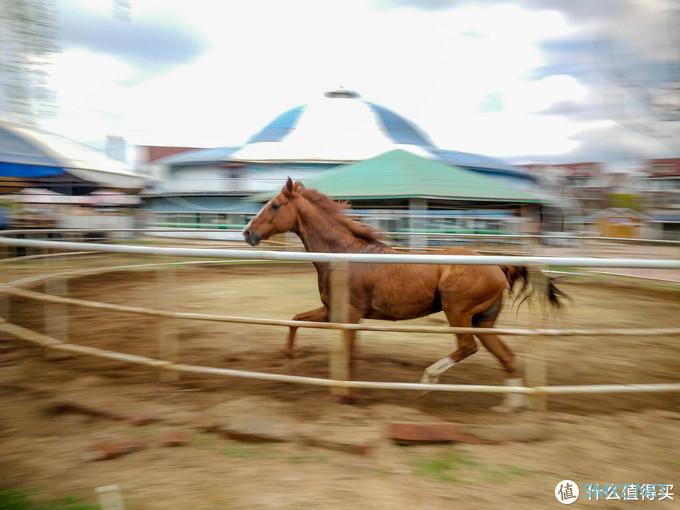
{"x":526,"y":80}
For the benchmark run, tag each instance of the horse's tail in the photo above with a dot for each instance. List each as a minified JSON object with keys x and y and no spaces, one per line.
{"x":522,"y":276}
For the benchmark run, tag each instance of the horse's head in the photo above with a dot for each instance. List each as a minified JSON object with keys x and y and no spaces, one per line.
{"x":276,"y":216}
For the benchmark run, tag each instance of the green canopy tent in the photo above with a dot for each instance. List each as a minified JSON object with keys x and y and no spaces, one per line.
{"x":401,"y":175}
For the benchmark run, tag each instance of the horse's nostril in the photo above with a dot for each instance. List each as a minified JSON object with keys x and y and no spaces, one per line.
{"x":246,"y":233}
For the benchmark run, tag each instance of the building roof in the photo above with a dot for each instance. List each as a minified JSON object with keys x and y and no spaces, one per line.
{"x":339,"y":127}
{"x":198,"y":156}
{"x":401,"y":174}
{"x":617,"y":212}
{"x":665,"y":217}
{"x":583,"y":169}
{"x":483,"y":164}
{"x":30,"y":154}
{"x":148,"y":154}
{"x":664,"y":167}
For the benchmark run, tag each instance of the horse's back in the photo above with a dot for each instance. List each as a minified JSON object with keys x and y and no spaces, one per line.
{"x":467,"y":279}
{"x":406,"y":291}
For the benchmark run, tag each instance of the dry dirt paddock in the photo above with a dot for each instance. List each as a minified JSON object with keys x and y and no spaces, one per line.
{"x":598,"y":438}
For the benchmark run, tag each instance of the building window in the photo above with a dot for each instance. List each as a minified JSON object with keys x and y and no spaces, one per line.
{"x":663,"y":168}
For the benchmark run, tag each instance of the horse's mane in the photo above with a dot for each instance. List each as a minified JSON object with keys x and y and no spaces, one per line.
{"x":337,"y":210}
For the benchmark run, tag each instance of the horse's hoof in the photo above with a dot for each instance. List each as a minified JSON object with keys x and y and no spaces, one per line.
{"x":288,"y":354}
{"x":429,"y":379}
{"x":511,"y":403}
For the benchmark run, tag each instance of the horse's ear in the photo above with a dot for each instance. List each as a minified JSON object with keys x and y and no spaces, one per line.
{"x":299,"y":186}
{"x":288,"y":187}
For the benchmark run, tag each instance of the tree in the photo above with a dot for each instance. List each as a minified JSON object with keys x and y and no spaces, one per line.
{"x":28,"y":41}
{"x":646,"y":92}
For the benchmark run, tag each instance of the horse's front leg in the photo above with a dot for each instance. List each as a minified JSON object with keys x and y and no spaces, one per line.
{"x":317,"y":315}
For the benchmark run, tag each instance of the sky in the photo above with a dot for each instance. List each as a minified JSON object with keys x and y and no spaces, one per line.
{"x":524,"y":80}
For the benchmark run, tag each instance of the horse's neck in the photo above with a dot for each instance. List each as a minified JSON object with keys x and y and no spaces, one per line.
{"x":322,"y":234}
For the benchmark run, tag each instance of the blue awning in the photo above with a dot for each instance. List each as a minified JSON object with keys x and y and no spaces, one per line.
{"x":31,"y":154}
{"x":8,"y":169}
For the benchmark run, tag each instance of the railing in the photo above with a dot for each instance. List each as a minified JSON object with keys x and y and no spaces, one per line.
{"x":339,"y":358}
{"x":234,"y":234}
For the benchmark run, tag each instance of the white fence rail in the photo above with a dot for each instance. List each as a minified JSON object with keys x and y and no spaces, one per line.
{"x":537,"y":389}
{"x":371,"y":258}
{"x":533,"y":237}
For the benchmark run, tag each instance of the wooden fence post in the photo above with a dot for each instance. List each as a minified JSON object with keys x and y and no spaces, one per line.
{"x":168,"y":337}
{"x":339,"y":348}
{"x":56,"y":317}
{"x":110,"y":497}
{"x":536,"y":372}
{"x":5,"y":305}
{"x":6,"y":267}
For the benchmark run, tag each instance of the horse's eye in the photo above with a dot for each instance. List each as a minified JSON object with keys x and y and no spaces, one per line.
{"x":275,"y":206}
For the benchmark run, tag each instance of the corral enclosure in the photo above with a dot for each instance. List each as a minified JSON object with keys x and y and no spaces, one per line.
{"x":627,"y":437}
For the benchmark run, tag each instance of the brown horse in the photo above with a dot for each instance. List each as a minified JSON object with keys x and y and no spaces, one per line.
{"x":469,"y":295}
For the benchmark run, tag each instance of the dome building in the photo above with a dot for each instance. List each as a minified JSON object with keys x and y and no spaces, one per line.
{"x":340,"y":128}
{"x":304,"y":142}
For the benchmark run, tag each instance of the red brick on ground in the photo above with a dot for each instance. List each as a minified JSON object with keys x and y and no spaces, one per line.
{"x":112,"y":449}
{"x":62,"y":406}
{"x":415,"y":433}
{"x":140,"y":421}
{"x":176,"y":438}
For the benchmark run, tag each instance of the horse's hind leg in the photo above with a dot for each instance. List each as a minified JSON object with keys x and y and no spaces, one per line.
{"x":466,"y":347}
{"x":498,"y":348}
{"x":492,"y":342}
{"x":317,"y":315}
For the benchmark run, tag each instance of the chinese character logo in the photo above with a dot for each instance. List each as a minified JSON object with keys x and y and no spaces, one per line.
{"x":566,"y":492}
{"x":627,"y":491}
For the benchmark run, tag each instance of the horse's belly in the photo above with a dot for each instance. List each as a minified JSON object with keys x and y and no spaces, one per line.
{"x":404,"y":292}
{"x":403,"y":308}
{"x":387,"y":316}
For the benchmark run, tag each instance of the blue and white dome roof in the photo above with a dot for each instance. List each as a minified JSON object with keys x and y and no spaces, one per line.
{"x":340,"y":127}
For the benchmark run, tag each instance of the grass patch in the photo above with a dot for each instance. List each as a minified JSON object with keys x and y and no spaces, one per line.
{"x":445,"y":468}
{"x":504,"y":474}
{"x":458,"y":467}
{"x":242,"y":451}
{"x":239,"y":451}
{"x":304,"y":458}
{"x":203,"y":439}
{"x":11,"y":499}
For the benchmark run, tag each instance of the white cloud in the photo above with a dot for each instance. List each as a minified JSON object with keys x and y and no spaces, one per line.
{"x":540,"y":95}
{"x":265,"y":56}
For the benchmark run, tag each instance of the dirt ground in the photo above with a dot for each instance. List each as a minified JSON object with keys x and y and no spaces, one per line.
{"x":595,"y":438}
